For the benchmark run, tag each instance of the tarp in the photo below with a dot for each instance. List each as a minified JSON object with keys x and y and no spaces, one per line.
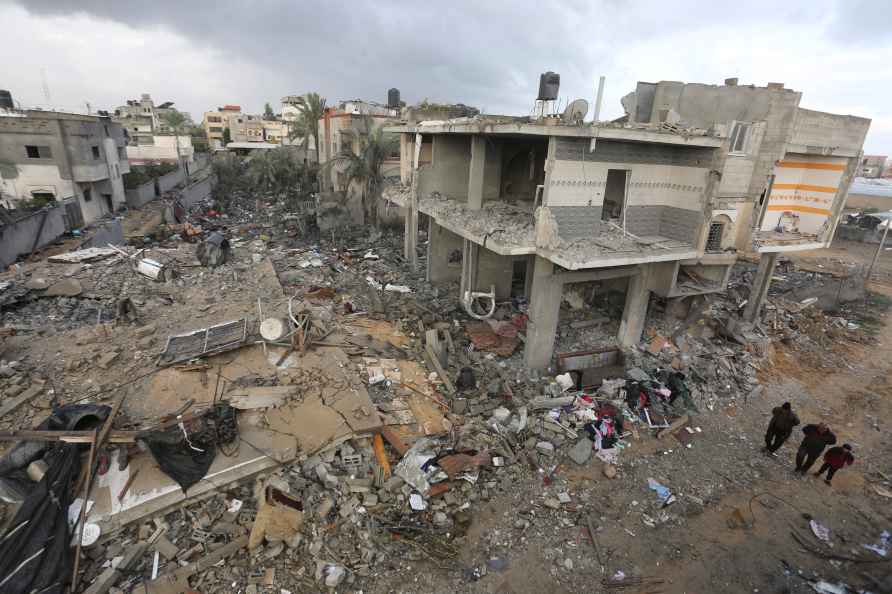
{"x":14,"y":482}
{"x":35,"y":553}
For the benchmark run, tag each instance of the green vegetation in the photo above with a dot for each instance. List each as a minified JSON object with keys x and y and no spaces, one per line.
{"x":175,"y":121}
{"x":199,"y":139}
{"x":274,"y":173}
{"x":312,"y":108}
{"x":145,"y":173}
{"x":365,"y":168}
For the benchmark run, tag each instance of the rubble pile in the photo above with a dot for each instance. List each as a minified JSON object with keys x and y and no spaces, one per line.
{"x":510,"y":224}
{"x":341,"y":418}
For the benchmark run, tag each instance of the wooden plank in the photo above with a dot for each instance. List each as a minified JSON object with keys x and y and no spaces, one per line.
{"x":432,"y":339}
{"x":82,"y":517}
{"x":395,"y":441}
{"x":26,"y":396}
{"x":431,"y":359}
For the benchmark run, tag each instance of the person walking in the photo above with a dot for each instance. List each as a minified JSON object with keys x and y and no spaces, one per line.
{"x":783,"y":419}
{"x":817,"y":437}
{"x":836,"y":459}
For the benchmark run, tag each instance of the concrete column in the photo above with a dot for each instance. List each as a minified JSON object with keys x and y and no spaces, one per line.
{"x":545,"y":306}
{"x":475,"y":175}
{"x":635,"y":311}
{"x":759,"y":288}
{"x":470,"y":252}
{"x":410,"y":237}
{"x":430,"y":246}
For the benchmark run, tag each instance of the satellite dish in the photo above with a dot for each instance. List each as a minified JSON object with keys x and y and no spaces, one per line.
{"x":575,"y":112}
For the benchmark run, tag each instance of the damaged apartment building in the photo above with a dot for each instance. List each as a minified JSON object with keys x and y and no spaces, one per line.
{"x":660,"y":201}
{"x":50,"y":156}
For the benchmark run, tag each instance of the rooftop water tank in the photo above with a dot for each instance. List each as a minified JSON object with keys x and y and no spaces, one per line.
{"x":393,"y":98}
{"x":549,"y":83}
{"x":6,"y":100}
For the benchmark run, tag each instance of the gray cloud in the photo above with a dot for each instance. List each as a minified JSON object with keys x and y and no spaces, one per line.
{"x":490,"y":54}
{"x":474,"y":52}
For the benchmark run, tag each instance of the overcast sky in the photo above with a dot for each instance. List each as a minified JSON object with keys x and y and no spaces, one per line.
{"x":483,"y":53}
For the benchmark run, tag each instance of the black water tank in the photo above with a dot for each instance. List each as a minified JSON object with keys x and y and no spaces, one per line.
{"x":549,"y":83}
{"x":393,"y":98}
{"x":6,"y":100}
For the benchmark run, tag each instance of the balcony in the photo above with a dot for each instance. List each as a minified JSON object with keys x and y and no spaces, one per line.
{"x":90,"y":173}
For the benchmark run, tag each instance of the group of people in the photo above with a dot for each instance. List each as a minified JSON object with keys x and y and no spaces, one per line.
{"x":816,"y":439}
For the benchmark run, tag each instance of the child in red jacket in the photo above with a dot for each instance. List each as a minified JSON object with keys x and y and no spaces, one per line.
{"x":834,"y":459}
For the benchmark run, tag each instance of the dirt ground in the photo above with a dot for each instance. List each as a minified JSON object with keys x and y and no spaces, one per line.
{"x":842,"y":256}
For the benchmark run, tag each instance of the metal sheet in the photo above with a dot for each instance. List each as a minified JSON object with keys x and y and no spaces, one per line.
{"x":207,"y":341}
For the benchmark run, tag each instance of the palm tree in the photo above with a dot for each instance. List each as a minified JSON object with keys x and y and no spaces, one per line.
{"x":312,"y":108}
{"x":297,"y":129}
{"x":276,"y":171}
{"x":175,"y":120}
{"x":366,"y":166}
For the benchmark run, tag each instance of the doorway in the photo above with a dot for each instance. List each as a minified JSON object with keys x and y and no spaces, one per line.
{"x":107,"y":198}
{"x":519,"y":278}
{"x":614,"y":194}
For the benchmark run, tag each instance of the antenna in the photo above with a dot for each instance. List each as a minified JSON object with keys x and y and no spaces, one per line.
{"x":46,"y":86}
{"x":597,"y":114}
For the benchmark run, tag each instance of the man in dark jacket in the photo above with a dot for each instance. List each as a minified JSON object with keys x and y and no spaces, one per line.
{"x":783,"y":419}
{"x":817,"y":437}
{"x":835,"y":459}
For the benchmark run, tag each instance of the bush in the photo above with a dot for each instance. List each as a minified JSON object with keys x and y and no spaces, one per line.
{"x":145,"y":173}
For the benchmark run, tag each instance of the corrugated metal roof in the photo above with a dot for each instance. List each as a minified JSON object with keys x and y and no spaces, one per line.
{"x":871,"y":187}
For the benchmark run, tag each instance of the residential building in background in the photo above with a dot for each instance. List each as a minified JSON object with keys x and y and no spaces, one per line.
{"x":242,"y":127}
{"x":48,"y":156}
{"x":872,"y":166}
{"x":290,"y":110}
{"x":150,"y":138}
{"x":215,"y":122}
{"x":342,"y":128}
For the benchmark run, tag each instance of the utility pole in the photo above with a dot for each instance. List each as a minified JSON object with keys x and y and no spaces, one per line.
{"x":876,"y":256}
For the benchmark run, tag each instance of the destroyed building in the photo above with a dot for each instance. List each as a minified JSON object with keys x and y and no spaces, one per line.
{"x":658,"y":202}
{"x":51,"y":156}
{"x":787,"y":169}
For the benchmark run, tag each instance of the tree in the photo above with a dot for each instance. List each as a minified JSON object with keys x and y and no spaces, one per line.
{"x":298,"y":129}
{"x":268,"y":113}
{"x":175,"y":121}
{"x":366,"y":166}
{"x":276,"y":171}
{"x":312,"y":108}
{"x":227,"y":136}
{"x":199,"y":139}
